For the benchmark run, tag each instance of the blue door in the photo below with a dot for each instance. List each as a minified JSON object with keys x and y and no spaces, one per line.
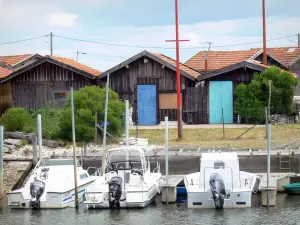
{"x":146,"y":96}
{"x":220,"y":95}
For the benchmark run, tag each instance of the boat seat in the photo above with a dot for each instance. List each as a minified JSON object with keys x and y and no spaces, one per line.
{"x":135,"y":179}
{"x":111,"y":174}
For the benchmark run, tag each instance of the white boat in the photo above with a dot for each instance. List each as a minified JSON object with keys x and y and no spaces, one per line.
{"x":127,"y":181}
{"x":220,"y":183}
{"x":51,"y":185}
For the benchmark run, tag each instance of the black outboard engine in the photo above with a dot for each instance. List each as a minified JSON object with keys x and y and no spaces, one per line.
{"x":37,"y":189}
{"x":217,"y":187}
{"x":115,"y":192}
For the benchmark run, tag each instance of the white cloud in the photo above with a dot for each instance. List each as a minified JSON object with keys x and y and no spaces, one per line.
{"x":62,"y":19}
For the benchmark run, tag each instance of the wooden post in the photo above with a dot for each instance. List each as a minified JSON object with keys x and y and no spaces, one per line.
{"x":167,"y":157}
{"x":264,"y":34}
{"x":269,"y":163}
{"x":269,"y":101}
{"x":127,"y":122}
{"x":96,"y":131}
{"x":34,"y":149}
{"x":178,"y":77}
{"x":40,"y":138}
{"x":74,"y":151}
{"x":51,"y":43}
{"x":105,"y":125}
{"x":85,"y":150}
{"x":223,"y":122}
{"x":1,"y":165}
{"x":266,"y":116}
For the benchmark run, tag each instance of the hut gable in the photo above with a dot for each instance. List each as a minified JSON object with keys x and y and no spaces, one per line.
{"x":47,"y":79}
{"x":152,"y":76}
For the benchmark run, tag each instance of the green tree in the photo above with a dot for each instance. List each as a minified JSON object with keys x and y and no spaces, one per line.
{"x":88,"y":101}
{"x":251,"y":99}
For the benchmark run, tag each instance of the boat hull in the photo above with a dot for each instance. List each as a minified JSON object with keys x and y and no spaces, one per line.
{"x":52,"y":200}
{"x":132,"y":199}
{"x":292,"y":189}
{"x":204,"y":200}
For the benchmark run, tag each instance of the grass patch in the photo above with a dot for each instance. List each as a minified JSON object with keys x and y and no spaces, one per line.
{"x":213,"y":137}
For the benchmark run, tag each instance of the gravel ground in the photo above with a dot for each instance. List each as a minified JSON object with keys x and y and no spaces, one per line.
{"x":12,"y":173}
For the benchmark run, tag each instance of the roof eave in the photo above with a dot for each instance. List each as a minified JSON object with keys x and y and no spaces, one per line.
{"x":50,"y":60}
{"x":140,"y":55}
{"x":243,"y":64}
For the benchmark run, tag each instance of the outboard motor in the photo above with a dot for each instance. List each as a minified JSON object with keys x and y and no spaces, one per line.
{"x":115,"y":192}
{"x":217,"y":187}
{"x":37,"y":189}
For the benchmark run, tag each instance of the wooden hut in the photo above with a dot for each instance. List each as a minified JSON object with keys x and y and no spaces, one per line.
{"x":47,"y":79}
{"x":148,"y":81}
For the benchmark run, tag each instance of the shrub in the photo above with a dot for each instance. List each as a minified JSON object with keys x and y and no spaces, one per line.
{"x":251,"y":99}
{"x":88,"y":101}
{"x":50,"y":120}
{"x":16,"y":119}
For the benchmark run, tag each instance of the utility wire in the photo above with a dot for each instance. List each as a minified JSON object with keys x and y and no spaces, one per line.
{"x":156,"y":47}
{"x":254,"y":42}
{"x":28,"y":39}
{"x":101,"y":55}
{"x":118,"y":45}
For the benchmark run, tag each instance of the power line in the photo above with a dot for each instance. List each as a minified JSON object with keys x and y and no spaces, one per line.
{"x":254,"y":42}
{"x":101,"y":55}
{"x":144,"y":47}
{"x":156,"y":47}
{"x":118,"y":45}
{"x":28,"y":39}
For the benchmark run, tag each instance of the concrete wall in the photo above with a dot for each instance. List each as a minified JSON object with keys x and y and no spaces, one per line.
{"x":185,"y":165}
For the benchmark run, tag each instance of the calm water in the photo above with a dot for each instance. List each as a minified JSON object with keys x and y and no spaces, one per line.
{"x":287,"y":211}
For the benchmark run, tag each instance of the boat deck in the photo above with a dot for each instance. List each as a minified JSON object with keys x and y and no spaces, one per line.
{"x":173,"y":181}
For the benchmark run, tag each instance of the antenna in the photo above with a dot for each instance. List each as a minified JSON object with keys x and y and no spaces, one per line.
{"x":206,"y":55}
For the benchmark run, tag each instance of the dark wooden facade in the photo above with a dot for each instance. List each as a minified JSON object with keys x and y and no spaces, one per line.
{"x":124,"y":81}
{"x":36,"y":87}
{"x":5,"y":97}
{"x":195,"y":101}
{"x":295,"y":68}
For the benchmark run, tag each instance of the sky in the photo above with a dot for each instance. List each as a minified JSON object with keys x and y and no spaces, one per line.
{"x":143,"y":23}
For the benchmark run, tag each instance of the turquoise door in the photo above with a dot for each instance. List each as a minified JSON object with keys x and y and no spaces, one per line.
{"x":220,"y":95}
{"x":146,"y":104}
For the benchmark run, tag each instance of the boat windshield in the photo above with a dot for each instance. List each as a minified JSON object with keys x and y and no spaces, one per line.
{"x":123,"y":160}
{"x":58,"y":162}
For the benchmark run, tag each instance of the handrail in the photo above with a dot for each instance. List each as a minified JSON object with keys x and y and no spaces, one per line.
{"x":157,"y":168}
{"x":223,"y":167}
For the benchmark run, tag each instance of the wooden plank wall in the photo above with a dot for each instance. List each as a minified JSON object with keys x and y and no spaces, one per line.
{"x":35,"y":88}
{"x":124,"y":81}
{"x":5,"y":97}
{"x":238,"y":76}
{"x":196,"y":99}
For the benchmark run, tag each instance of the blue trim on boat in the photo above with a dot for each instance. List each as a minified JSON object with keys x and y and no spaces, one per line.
{"x":70,"y":197}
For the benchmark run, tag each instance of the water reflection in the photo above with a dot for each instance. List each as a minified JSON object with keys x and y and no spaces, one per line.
{"x":287,"y":211}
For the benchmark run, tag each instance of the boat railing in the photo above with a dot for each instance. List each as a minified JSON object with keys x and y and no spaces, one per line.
{"x":157,"y":169}
{"x":214,"y":168}
{"x":95,"y":171}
